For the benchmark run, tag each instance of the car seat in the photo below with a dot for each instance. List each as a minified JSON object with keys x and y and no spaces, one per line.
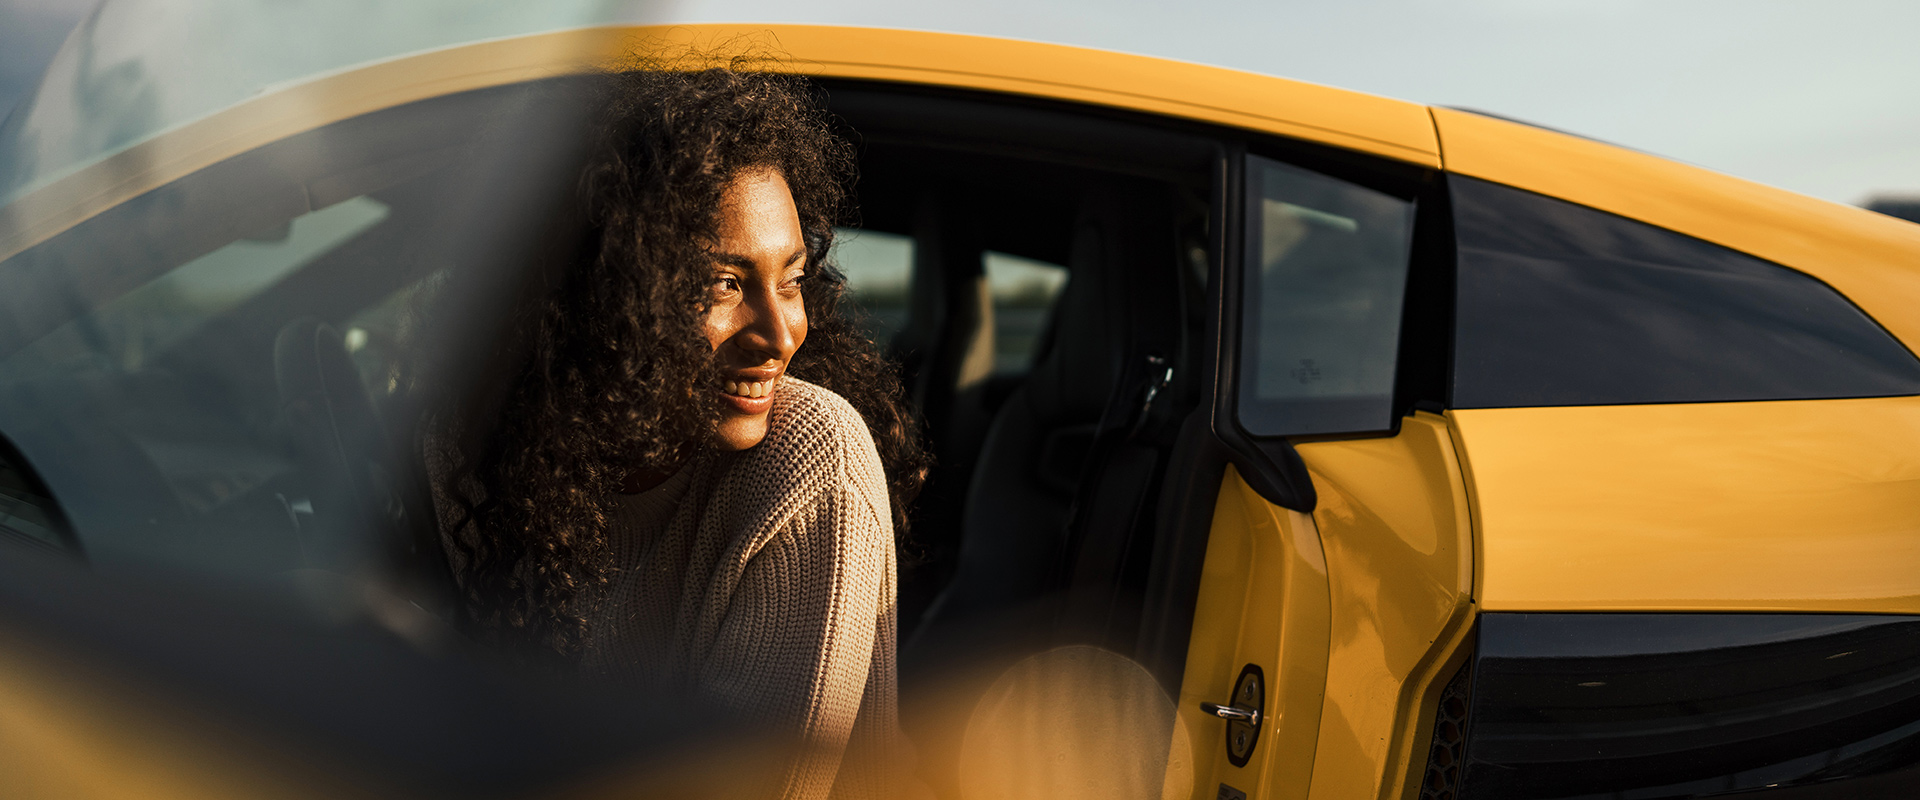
{"x":1020,"y":498}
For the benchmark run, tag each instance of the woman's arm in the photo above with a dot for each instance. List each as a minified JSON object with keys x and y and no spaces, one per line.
{"x":796,"y":644}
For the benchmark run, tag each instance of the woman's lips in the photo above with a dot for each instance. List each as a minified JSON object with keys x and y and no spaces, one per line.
{"x":750,"y":397}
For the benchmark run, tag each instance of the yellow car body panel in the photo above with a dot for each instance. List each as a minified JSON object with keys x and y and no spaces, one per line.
{"x":1393,"y":521}
{"x":1391,"y":128}
{"x":1263,"y":600}
{"x":1776,"y":506}
{"x":1871,"y":258}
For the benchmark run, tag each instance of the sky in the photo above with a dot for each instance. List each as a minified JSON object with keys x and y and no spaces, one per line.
{"x":1821,"y":98}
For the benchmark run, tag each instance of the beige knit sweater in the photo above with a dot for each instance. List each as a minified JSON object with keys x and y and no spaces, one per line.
{"x":765,"y":580}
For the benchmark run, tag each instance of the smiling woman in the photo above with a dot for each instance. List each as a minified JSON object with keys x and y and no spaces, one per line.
{"x":758,"y":315}
{"x":687,"y":468}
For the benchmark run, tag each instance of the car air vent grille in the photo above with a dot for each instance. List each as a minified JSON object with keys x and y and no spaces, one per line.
{"x":1442,"y":780}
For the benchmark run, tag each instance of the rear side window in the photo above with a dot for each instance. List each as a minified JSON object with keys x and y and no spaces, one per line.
{"x":1326,"y":279}
{"x":1022,"y":291}
{"x":879,"y":268}
{"x":1562,"y":305}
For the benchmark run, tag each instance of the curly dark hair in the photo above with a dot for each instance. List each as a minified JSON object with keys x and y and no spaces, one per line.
{"x":604,"y":369}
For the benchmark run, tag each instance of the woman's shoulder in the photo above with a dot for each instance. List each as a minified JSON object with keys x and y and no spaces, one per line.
{"x":817,"y":453}
{"x":813,"y":428}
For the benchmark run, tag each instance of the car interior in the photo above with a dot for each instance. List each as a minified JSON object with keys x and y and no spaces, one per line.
{"x":226,"y":393}
{"x":1123,"y":212}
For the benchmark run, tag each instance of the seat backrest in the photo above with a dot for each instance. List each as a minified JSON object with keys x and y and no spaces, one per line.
{"x":1030,"y":462}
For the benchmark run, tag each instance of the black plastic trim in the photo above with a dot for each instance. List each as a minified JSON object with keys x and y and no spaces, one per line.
{"x":1646,"y":705}
{"x":1424,"y":378}
{"x":1448,"y":736}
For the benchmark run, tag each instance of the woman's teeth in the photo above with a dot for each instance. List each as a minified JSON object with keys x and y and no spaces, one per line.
{"x":748,"y":388}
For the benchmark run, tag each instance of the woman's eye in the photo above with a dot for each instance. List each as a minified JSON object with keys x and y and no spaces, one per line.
{"x":726,"y":283}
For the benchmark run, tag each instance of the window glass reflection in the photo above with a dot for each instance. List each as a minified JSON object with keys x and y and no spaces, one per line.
{"x":125,"y":332}
{"x":209,"y":418}
{"x":137,"y":67}
{"x":1560,"y":304}
{"x":1326,"y":278}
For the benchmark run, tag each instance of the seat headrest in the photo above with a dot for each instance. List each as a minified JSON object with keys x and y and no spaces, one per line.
{"x":1087,"y":335}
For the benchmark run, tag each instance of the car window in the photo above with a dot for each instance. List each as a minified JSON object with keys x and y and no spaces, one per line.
{"x":879,"y":268}
{"x":122,"y":80}
{"x":1326,"y":275}
{"x":1560,"y":304}
{"x":128,"y":331}
{"x":1022,"y":291}
{"x":209,"y":379}
{"x":200,"y":420}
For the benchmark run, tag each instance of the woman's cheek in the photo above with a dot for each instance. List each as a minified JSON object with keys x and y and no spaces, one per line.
{"x":719,"y":325}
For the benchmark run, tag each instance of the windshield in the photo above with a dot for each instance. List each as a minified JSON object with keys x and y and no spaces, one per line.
{"x":123,"y":76}
{"x":210,"y":375}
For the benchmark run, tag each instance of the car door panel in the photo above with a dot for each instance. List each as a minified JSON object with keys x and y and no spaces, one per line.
{"x":1320,"y":301}
{"x":1263,"y":601}
{"x":1393,"y":522}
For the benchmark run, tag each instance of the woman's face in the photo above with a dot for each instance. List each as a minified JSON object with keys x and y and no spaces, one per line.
{"x":758,"y":320}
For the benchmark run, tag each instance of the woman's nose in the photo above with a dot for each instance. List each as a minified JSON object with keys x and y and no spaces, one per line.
{"x":769,"y":331}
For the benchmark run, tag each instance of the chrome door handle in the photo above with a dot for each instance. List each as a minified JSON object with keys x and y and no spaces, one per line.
{"x":1251,"y":716}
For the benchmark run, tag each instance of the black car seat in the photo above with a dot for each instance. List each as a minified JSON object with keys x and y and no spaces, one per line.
{"x":946,"y":353}
{"x":1018,"y":503}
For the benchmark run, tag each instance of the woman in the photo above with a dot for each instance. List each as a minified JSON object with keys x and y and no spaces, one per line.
{"x":693,"y":467}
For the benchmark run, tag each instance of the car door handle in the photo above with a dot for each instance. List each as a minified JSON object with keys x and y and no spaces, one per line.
{"x":1251,"y":716}
{"x":1243,"y":714}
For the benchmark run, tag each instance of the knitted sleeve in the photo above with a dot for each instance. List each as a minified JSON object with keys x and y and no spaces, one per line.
{"x":796,"y":644}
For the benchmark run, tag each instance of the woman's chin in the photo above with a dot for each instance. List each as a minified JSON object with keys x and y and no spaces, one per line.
{"x":740,"y":431}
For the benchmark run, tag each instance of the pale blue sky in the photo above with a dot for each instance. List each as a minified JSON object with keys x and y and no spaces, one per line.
{"x":1818,"y":97}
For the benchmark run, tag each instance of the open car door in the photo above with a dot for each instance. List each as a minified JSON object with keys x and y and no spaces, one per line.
{"x":1335,"y":588}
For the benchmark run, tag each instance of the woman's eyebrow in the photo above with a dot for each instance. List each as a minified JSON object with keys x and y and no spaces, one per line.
{"x":732,"y":259}
{"x":743,"y":262}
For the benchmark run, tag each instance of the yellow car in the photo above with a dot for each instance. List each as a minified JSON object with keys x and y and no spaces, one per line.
{"x":1400,"y":451}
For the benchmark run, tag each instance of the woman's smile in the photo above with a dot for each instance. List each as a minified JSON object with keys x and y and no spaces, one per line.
{"x":749,"y":395}
{"x":748,"y":389}
{"x":758,"y":316}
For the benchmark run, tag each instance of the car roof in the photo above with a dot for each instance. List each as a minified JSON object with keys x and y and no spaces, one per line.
{"x":1869,"y":257}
